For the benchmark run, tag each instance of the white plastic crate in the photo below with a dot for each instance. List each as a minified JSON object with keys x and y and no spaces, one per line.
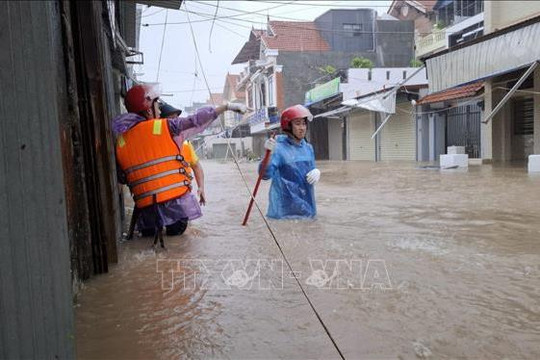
{"x":452,"y":150}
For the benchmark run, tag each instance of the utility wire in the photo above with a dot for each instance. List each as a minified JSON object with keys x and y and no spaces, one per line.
{"x":261,"y":12}
{"x":260,"y":211}
{"x":243,"y":12}
{"x":212,"y":29}
{"x":162,"y":43}
{"x":154,"y":13}
{"x":286,"y":24}
{"x":212,"y":18}
{"x":336,"y":6}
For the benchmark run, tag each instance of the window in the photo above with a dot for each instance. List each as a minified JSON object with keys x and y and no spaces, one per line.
{"x":271,"y":101}
{"x":470,"y":33}
{"x":263,"y":94}
{"x":249,"y":96}
{"x":352,"y":29}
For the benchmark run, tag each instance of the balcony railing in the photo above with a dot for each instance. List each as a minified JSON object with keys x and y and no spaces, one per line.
{"x":429,"y":43}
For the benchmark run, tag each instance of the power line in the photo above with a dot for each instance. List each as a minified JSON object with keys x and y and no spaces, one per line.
{"x":232,"y":31}
{"x":162,"y":43}
{"x":325,"y":5}
{"x":212,"y":28}
{"x":243,"y":12}
{"x":261,"y":12}
{"x":154,"y":13}
{"x":260,"y":211}
{"x":194,"y":90}
{"x":291,"y":25}
{"x":180,"y":72}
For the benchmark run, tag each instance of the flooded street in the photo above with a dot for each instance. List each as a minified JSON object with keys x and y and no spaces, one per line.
{"x":402,"y":263}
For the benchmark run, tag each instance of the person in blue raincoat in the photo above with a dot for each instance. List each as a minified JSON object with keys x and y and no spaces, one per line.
{"x":292,"y":168}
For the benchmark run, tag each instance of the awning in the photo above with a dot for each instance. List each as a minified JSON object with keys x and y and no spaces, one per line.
{"x":497,"y":53}
{"x":442,"y":3}
{"x":384,"y":102}
{"x":459,"y":92}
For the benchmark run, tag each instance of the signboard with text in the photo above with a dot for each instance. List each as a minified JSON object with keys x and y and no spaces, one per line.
{"x":323,"y":91}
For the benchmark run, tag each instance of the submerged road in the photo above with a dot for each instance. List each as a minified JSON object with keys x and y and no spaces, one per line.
{"x":402,"y":263}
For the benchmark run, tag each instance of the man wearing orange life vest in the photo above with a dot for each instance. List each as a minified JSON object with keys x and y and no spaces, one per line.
{"x":150,"y":162}
{"x":195,"y":168}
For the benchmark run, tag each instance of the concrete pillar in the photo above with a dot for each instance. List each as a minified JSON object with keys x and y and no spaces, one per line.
{"x":432,"y":138}
{"x":486,"y":130}
{"x":537,"y":111}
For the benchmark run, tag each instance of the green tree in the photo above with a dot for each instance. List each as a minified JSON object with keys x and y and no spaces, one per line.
{"x":327,"y":70}
{"x":360,"y":62}
{"x":416,"y":63}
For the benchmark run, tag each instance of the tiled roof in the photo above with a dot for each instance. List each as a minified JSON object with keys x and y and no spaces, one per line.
{"x":428,"y":4}
{"x":460,"y":92}
{"x":422,"y":5}
{"x":251,"y":49}
{"x":294,"y":36}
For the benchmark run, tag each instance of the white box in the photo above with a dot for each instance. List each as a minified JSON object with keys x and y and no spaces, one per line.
{"x":452,"y":150}
{"x":452,"y":160}
{"x":534,"y":163}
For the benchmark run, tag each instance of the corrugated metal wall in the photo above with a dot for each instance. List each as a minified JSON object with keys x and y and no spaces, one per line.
{"x":35,"y":300}
{"x":398,"y":135}
{"x":361,"y":127}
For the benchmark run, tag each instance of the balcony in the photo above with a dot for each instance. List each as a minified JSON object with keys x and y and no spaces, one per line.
{"x":430,"y":43}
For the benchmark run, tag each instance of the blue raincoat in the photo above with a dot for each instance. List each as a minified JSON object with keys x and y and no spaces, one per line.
{"x":291,"y":196}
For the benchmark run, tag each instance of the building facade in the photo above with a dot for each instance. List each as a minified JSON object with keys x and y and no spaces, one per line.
{"x":504,"y":59}
{"x":287,"y":59}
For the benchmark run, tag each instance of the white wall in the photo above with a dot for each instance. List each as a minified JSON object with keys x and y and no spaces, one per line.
{"x":360,"y":85}
{"x":502,"y":13}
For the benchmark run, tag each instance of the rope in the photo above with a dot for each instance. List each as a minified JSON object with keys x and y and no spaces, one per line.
{"x":321,"y":321}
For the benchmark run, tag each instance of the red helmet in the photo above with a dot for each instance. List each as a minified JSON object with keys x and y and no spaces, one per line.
{"x":294,"y":112}
{"x":140,"y":97}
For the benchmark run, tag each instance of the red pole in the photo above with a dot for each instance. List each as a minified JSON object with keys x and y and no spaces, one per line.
{"x":261,"y":173}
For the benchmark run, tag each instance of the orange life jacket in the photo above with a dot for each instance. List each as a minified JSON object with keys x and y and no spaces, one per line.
{"x":151,"y":160}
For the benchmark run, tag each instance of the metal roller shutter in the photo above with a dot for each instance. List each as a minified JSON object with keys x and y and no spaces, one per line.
{"x":398,"y":136}
{"x":361,"y":127}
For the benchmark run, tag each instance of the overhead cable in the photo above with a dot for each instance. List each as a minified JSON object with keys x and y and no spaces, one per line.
{"x":260,"y":211}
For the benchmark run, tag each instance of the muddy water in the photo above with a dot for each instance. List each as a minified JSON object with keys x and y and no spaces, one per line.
{"x":402,"y":263}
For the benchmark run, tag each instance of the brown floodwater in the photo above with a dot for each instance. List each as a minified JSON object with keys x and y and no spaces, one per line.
{"x":403,"y":262}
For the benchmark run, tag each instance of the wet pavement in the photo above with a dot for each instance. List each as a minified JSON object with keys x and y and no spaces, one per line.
{"x":402,"y":263}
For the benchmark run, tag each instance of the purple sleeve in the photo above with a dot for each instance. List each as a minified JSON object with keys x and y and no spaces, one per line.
{"x":185,"y":127}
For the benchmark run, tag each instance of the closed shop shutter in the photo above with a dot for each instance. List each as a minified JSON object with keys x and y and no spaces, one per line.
{"x":398,"y":136}
{"x":361,"y":127}
{"x":220,"y":151}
